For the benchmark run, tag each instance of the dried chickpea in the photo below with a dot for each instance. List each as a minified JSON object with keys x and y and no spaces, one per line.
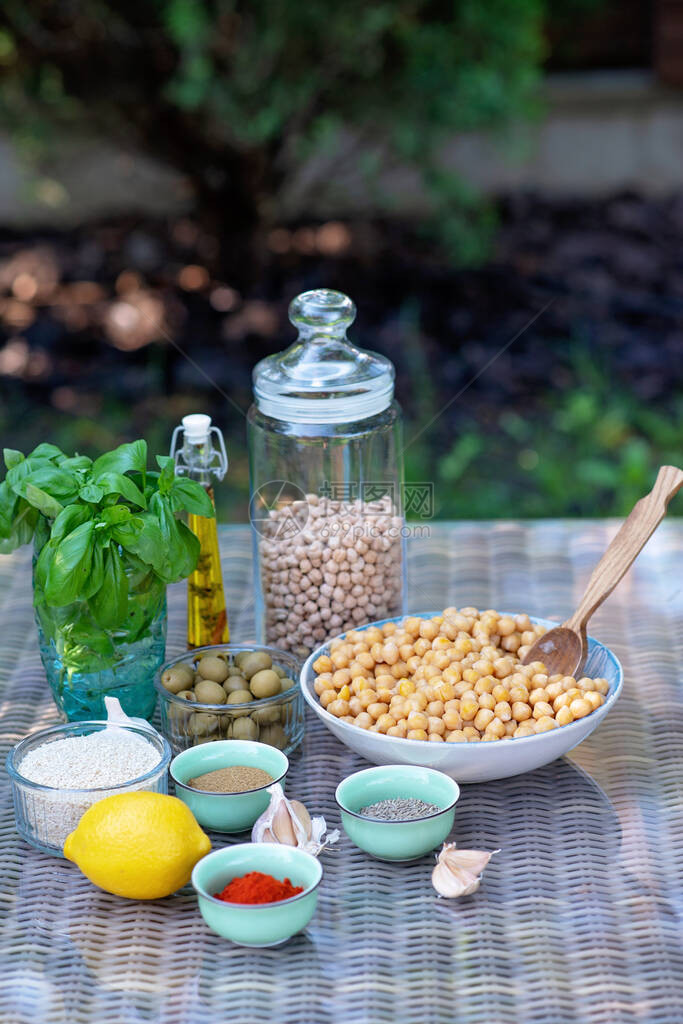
{"x":545,"y":723}
{"x":377,"y":708}
{"x":385,"y":722}
{"x":543,"y":710}
{"x":487,"y":700}
{"x":594,"y":698}
{"x":538,"y":694}
{"x":406,"y":687}
{"x":367,"y":697}
{"x":435,"y":708}
{"x":327,"y":696}
{"x":456,"y":736}
{"x":322,"y":664}
{"x":400,"y":730}
{"x":341,"y":677}
{"x":500,"y":693}
{"x":436,"y":725}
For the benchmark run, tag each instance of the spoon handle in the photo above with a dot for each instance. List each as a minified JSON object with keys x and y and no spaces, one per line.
{"x":635,"y":531}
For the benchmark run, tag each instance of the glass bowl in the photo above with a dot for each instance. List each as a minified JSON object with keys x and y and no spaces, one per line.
{"x":277,"y":720}
{"x":45,"y":815}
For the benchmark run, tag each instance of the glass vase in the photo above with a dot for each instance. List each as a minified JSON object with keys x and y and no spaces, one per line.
{"x":85,"y":663}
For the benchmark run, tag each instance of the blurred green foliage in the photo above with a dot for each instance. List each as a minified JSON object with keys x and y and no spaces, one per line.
{"x":590,"y":450}
{"x":238,"y":92}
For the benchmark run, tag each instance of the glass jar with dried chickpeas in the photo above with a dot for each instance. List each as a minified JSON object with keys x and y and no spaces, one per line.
{"x":457,"y":677}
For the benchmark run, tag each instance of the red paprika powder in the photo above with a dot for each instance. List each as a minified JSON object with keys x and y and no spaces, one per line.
{"x":255,"y":887}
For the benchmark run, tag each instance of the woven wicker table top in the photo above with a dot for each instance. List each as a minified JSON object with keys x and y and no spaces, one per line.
{"x":578,"y":919}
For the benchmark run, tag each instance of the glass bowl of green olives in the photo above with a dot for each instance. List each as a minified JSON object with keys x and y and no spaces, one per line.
{"x":231,"y":691}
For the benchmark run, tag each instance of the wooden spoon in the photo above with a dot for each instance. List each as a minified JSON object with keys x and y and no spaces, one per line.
{"x":563,"y":649}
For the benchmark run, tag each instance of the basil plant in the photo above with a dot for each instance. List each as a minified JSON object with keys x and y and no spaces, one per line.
{"x":107,"y":540}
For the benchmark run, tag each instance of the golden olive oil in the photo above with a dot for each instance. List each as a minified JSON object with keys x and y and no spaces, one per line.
{"x":207,"y":620}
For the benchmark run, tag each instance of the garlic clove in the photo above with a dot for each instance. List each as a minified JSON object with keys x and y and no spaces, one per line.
{"x":268,"y":837}
{"x":281,"y":826}
{"x":303,"y":816}
{"x":458,"y":872}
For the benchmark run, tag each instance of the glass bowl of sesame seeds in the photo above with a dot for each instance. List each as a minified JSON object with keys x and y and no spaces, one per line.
{"x":57,"y":773}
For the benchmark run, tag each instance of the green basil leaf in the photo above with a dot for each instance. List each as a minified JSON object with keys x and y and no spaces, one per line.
{"x":96,"y":576}
{"x":167,"y":466}
{"x":8,"y":500}
{"x":91,"y":492}
{"x":70,"y":567}
{"x":131,"y":456}
{"x":68,"y":519}
{"x":83,"y":639}
{"x":46,"y":451}
{"x":110,"y":603}
{"x":23,"y":526}
{"x":191,"y":496}
{"x":43,"y":563}
{"x":20,"y":471}
{"x":180,"y":544}
{"x":56,"y":482}
{"x":12,"y":457}
{"x":41,"y":500}
{"x":115,"y":514}
{"x":147,"y":541}
{"x":76,"y":462}
{"x":116,"y":483}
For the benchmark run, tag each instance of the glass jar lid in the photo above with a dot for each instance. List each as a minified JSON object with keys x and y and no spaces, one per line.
{"x":323,"y":377}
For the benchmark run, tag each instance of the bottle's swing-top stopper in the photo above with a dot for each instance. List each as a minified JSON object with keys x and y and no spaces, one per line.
{"x":196,"y":431}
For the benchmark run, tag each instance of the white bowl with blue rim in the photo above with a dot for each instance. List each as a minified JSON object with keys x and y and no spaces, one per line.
{"x":473,"y":762}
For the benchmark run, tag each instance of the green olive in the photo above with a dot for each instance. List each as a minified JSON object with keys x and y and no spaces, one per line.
{"x":254,"y":662}
{"x":245,"y":729}
{"x":280,"y":670}
{"x":239,"y":697}
{"x":226,"y":727}
{"x":239,"y":658}
{"x":201,"y":724}
{"x":233,"y":683}
{"x":176,"y":712}
{"x":177,"y":678}
{"x":213,"y":668}
{"x":267,"y":716}
{"x":286,"y":683}
{"x":265,"y":683}
{"x":208,"y":692}
{"x":275,"y":735}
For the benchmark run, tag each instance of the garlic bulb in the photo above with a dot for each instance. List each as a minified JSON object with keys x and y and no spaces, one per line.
{"x":458,"y":872}
{"x":288,"y":822}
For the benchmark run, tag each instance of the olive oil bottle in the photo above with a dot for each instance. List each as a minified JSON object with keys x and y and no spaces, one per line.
{"x":195,"y":456}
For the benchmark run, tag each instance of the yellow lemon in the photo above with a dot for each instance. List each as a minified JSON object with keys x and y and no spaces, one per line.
{"x":139,"y":845}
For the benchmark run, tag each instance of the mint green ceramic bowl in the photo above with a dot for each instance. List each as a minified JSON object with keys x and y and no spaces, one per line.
{"x":397,"y":840}
{"x":265,"y":924}
{"x":226,"y":812}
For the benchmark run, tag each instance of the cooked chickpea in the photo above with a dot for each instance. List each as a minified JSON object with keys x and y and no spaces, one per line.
{"x":564,"y":716}
{"x":482,"y":719}
{"x":456,"y":677}
{"x":417,"y":734}
{"x":580,"y":707}
{"x":338,"y":708}
{"x":543,"y":710}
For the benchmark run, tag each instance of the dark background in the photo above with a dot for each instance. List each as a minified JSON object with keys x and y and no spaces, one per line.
{"x":118,"y":317}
